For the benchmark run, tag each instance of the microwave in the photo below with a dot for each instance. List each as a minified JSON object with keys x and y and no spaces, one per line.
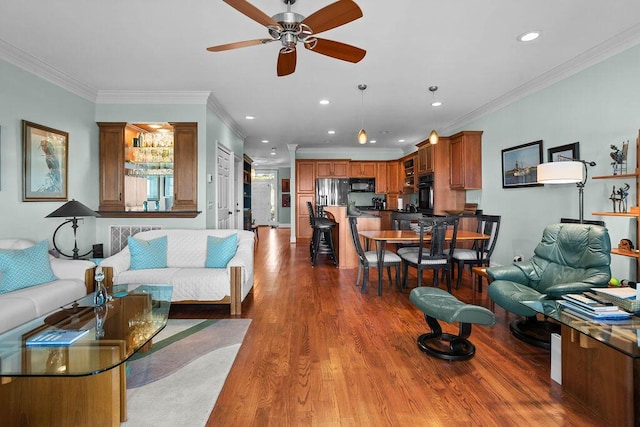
{"x":362,"y":185}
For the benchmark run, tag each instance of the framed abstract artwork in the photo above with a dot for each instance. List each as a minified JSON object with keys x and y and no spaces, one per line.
{"x":45,"y":157}
{"x":520,"y":164}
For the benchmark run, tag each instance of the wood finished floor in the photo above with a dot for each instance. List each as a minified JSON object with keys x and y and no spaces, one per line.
{"x":320,"y":353}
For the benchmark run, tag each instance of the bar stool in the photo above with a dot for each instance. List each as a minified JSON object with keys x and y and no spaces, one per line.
{"x":322,"y":237}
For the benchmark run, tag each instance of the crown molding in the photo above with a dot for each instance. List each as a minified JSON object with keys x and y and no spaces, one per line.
{"x":615,"y":45}
{"x":41,"y":69}
{"x":152,"y":97}
{"x":214,"y":105}
{"x":353,"y":153}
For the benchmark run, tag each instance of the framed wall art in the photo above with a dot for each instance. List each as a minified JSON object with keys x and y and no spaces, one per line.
{"x":564,"y":152}
{"x":519,"y":165}
{"x":45,"y":156}
{"x":286,"y":185}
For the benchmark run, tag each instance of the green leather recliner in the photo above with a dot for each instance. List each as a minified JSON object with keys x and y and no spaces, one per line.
{"x":571,"y":258}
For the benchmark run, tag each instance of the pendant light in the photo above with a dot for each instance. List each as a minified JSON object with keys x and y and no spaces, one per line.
{"x":362,"y":135}
{"x":433,"y":136}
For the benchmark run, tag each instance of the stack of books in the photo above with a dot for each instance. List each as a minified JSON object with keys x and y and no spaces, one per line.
{"x":590,"y":306}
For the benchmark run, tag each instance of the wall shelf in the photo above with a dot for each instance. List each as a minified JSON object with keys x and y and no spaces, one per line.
{"x":625,"y":253}
{"x":625,"y":175}
{"x":628,"y":214}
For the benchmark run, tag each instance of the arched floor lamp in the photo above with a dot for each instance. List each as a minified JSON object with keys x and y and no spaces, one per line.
{"x":570,"y":171}
{"x":73,"y":209}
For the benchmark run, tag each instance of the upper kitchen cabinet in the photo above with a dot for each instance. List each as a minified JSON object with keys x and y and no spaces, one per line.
{"x":425,"y":157}
{"x":465,"y":157}
{"x":305,"y":176}
{"x":146,"y":171}
{"x":393,"y":177}
{"x":362,"y":170}
{"x":332,"y":169}
{"x":408,"y":169}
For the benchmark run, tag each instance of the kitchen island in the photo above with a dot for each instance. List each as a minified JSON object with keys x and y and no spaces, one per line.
{"x":347,"y":257}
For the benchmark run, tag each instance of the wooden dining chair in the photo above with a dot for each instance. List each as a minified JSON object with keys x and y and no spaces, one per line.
{"x":435,"y":257}
{"x":480,"y":253}
{"x":370,"y":258}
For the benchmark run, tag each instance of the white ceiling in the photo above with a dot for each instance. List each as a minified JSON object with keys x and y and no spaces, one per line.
{"x":466,"y":47}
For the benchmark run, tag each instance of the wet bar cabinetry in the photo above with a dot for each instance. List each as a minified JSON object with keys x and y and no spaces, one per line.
{"x":127,"y":155}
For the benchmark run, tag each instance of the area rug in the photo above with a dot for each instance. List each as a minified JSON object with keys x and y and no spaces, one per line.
{"x":178,"y":381}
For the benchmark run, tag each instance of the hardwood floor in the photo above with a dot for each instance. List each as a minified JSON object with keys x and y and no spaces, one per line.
{"x":320,"y":353}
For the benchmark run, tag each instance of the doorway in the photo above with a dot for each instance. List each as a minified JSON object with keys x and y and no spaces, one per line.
{"x":263,"y":197}
{"x":225,"y":189}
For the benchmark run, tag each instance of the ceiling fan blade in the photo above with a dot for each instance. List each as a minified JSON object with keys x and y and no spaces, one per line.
{"x":286,"y":62}
{"x":337,"y":50}
{"x":333,"y":15}
{"x":252,"y":12}
{"x":237,"y":45}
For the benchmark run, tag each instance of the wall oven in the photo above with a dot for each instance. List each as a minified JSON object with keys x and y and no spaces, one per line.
{"x":425,"y":194}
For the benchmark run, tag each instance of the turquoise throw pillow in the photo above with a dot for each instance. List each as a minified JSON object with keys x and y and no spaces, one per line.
{"x":22,"y":268}
{"x":148,"y":253}
{"x":220,"y":250}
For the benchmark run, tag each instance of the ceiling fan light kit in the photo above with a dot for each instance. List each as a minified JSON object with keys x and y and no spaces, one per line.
{"x":290,"y":28}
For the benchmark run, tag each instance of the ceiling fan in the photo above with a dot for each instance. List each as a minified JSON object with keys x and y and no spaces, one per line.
{"x":290,"y":28}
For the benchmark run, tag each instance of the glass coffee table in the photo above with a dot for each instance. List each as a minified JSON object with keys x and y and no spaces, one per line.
{"x":600,"y":362}
{"x":83,"y":383}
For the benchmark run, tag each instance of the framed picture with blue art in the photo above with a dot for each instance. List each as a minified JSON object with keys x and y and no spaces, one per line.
{"x":45,"y":157}
{"x":520,"y":165}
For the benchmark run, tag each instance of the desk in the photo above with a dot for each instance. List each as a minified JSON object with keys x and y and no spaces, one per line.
{"x":600,"y":363}
{"x":381,"y":237}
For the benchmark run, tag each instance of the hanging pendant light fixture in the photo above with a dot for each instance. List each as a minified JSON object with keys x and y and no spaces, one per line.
{"x":433,"y":136}
{"x":362,"y":135}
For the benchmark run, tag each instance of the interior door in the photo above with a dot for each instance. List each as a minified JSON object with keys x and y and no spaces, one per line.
{"x":225,"y":195}
{"x":261,"y":207}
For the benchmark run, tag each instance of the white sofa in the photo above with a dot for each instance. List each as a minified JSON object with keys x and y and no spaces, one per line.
{"x":23,"y":305}
{"x":186,"y":272}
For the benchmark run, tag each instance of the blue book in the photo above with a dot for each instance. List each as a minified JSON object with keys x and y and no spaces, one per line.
{"x":605,"y":315}
{"x":56,"y":338}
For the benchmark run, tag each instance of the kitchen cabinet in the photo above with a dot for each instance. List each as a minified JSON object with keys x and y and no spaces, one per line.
{"x":381,"y":178}
{"x":465,"y":157}
{"x":116,"y":137}
{"x":393,"y":177}
{"x":303,"y":224}
{"x":425,"y":157}
{"x":408,"y":168}
{"x":362,"y":169}
{"x":332,"y":169}
{"x":392,"y":201}
{"x":305,"y":176}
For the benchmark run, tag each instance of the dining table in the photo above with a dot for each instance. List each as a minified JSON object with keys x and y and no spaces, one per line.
{"x":382,"y":237}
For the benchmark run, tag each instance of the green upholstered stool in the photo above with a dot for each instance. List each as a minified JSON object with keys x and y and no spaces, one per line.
{"x":437,"y":304}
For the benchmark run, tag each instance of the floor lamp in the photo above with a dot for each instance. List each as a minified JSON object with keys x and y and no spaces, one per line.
{"x":571,"y":171}
{"x":73,"y":209}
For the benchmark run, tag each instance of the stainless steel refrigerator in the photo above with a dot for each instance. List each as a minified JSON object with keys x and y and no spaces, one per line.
{"x":332,"y":191}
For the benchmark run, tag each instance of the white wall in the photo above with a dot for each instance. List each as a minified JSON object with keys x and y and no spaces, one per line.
{"x":24,"y":96}
{"x":597,"y":107}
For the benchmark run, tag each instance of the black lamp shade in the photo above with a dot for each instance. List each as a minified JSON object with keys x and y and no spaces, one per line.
{"x":72,"y":208}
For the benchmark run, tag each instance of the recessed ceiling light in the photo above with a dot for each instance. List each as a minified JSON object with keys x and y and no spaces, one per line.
{"x":265,"y":141}
{"x":249,"y":117}
{"x":529,"y":36}
{"x":373,"y":141}
{"x":436,"y":104}
{"x":384,"y":132}
{"x":401,"y":140}
{"x":324,"y":102}
{"x":331,"y":132}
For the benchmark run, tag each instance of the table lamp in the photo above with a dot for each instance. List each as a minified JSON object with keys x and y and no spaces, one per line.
{"x":73,"y":209}
{"x":566,"y":172}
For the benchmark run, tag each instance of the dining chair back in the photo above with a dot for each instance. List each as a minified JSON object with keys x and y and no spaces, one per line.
{"x":432,"y":253}
{"x":480,"y":253}
{"x":368,"y":259}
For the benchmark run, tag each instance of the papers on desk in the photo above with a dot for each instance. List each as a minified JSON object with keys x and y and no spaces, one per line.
{"x":591,"y":314}
{"x":56,"y":338}
{"x":621,"y":292}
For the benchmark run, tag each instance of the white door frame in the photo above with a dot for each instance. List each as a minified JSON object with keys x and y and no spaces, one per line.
{"x":238,"y":199}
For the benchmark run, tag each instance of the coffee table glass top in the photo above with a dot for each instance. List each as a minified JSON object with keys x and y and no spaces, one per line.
{"x":129,"y":321}
{"x":622,"y":335}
